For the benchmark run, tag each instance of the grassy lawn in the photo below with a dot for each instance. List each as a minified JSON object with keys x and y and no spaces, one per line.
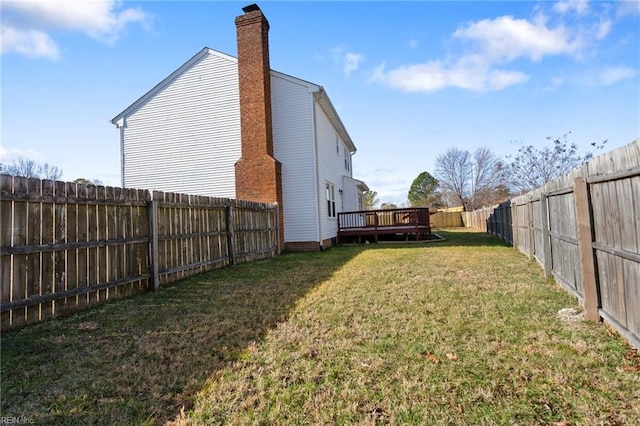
{"x":457,"y":332}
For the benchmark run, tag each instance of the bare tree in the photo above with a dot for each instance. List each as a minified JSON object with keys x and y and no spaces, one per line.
{"x":29,"y":168}
{"x":453,"y":172}
{"x":532,"y":167}
{"x":488,"y":178}
{"x":85,"y":181}
{"x":22,"y":167}
{"x":471,"y":180}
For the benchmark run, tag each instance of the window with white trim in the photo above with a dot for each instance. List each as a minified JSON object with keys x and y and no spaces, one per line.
{"x":347,"y":158}
{"x":331,"y":200}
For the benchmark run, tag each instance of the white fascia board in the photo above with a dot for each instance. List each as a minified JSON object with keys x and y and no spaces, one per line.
{"x":358,"y":183}
{"x":323,"y":100}
{"x":311,"y":87}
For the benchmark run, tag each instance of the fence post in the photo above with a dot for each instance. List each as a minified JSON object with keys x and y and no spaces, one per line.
{"x":153,"y":242}
{"x":491,"y":221}
{"x":546,"y":238}
{"x":278,"y":230}
{"x":531,"y":227}
{"x":230,"y":235}
{"x":503,"y":221}
{"x":585,"y":248}
{"x":514,"y":224}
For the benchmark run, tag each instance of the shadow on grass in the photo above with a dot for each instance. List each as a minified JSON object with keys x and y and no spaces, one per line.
{"x":461,"y":237}
{"x":452,"y":237}
{"x":143,"y":359}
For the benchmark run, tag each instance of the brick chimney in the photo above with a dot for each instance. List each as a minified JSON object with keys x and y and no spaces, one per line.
{"x":258,"y":173}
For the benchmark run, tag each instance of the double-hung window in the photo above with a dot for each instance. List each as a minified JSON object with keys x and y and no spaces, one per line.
{"x":331,"y":200}
{"x":347,"y":159}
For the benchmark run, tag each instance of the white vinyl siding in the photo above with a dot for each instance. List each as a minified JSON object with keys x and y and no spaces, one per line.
{"x":186,"y":137}
{"x":350,"y":195}
{"x":292,"y":112}
{"x":330,"y":169}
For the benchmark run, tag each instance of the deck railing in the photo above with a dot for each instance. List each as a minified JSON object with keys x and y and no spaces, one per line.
{"x":375,"y":222}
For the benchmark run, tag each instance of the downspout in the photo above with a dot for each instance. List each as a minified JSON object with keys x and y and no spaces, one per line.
{"x":315,"y":154}
{"x":120,"y":126}
{"x":122,"y":155}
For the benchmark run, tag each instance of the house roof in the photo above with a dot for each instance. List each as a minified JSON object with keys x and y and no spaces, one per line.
{"x":319,"y":94}
{"x":158,"y":87}
{"x":360,"y":184}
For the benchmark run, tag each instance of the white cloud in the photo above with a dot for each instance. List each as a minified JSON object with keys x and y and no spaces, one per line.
{"x":506,"y":39}
{"x":29,"y":43}
{"x":490,"y":47}
{"x":392,"y":186}
{"x":603,"y":29}
{"x":347,"y":61}
{"x":29,"y":24}
{"x":628,"y":8}
{"x":352,"y":62}
{"x":11,"y":154}
{"x":604,"y":76}
{"x":579,"y":6}
{"x":468,"y":73}
{"x":556,"y":82}
{"x":612,"y":75}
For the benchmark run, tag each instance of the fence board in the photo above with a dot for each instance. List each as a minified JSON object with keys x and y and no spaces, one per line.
{"x":93,"y":230}
{"x":538,"y":243}
{"x":68,"y":304}
{"x":635,"y":203}
{"x":33,"y":262}
{"x":613,"y":215}
{"x":6,"y":213}
{"x":58,"y":284}
{"x":82,"y":277}
{"x":626,"y":215}
{"x":632,"y":296}
{"x":22,"y":288}
{"x":110,"y":233}
{"x":101,"y":253}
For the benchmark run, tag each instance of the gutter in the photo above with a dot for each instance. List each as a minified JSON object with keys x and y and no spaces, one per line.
{"x":315,"y":154}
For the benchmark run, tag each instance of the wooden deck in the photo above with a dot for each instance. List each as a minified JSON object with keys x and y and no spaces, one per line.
{"x":371,"y":225}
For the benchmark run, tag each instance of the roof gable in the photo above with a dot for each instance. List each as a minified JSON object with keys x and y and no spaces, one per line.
{"x":319,"y":93}
{"x":173,"y":76}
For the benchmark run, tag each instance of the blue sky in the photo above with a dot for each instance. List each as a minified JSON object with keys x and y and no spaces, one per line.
{"x":409,"y":79}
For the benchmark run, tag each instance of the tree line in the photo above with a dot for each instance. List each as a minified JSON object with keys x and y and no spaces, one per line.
{"x":481,"y":178}
{"x":25,"y":167}
{"x":461,"y":177}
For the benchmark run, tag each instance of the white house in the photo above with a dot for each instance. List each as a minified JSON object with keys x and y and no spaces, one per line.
{"x":232,"y":127}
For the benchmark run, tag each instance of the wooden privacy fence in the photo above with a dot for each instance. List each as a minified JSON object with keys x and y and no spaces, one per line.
{"x":446,"y":219}
{"x":477,"y":218}
{"x":584,"y":230}
{"x":66,"y":246}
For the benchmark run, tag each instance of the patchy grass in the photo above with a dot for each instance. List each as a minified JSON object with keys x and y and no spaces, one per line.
{"x":457,"y":332}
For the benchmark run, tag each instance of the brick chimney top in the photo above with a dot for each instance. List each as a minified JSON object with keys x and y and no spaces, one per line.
{"x":253,"y":15}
